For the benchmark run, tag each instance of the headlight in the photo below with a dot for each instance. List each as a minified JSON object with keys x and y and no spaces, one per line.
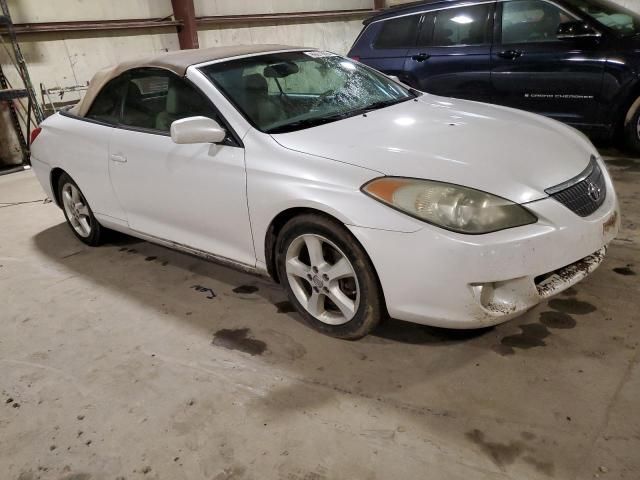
{"x":449,"y":206}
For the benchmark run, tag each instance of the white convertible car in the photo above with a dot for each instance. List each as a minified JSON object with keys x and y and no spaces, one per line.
{"x":362,"y":197}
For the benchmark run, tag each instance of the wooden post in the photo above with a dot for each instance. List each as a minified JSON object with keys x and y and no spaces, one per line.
{"x":378,"y":4}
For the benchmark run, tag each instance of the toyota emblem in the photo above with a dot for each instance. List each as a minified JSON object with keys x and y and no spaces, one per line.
{"x":593,"y":191}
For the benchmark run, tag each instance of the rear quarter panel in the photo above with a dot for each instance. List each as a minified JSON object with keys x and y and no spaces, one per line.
{"x":81,"y":149}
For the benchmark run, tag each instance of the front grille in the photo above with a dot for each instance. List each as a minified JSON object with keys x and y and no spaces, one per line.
{"x":583,"y":194}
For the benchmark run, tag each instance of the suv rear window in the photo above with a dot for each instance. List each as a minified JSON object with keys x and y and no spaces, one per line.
{"x":398,"y":32}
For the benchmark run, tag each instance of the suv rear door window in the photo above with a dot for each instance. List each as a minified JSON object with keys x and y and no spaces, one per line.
{"x":398,"y":32}
{"x":461,"y":26}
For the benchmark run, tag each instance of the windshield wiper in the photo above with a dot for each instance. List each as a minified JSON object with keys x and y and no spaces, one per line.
{"x":308,"y":122}
{"x":378,"y":105}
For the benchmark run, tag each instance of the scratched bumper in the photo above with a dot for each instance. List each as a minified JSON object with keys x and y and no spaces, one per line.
{"x":507,"y":299}
{"x":441,"y":278}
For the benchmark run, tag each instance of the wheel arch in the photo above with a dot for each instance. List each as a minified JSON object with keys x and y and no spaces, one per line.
{"x":54,"y":178}
{"x":274,"y":228}
{"x":628,"y":107}
{"x":280,"y":220}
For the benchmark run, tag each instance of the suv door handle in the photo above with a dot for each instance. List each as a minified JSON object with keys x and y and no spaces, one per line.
{"x":510,"y":54}
{"x":118,"y":157}
{"x":421,"y":57}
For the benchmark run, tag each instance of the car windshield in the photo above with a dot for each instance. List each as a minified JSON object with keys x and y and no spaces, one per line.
{"x":621,"y":20}
{"x":284,"y":92}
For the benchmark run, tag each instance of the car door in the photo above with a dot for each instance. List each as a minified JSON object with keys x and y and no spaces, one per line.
{"x":190,"y":194}
{"x":534,"y":70}
{"x":384,"y":44}
{"x":452,"y":55}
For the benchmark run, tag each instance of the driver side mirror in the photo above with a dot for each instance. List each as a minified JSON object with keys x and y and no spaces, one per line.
{"x":576,"y":29}
{"x":197,"y":130}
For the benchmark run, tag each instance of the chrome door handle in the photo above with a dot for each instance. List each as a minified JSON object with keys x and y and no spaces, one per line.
{"x":510,"y":54}
{"x":421,"y":57}
{"x":117,"y":157}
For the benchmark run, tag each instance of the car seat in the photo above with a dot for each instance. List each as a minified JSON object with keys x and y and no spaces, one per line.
{"x":135,"y":113}
{"x":181,"y":102}
{"x":257,"y":103}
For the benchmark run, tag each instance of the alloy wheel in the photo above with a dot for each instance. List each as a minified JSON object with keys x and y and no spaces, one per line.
{"x":76,"y":209}
{"x":322,"y":279}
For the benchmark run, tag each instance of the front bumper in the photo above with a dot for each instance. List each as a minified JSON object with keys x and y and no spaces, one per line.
{"x":441,"y":278}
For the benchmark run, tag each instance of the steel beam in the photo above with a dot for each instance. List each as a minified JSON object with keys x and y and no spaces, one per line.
{"x":90,"y":25}
{"x":185,"y":12}
{"x":290,"y":17}
{"x":179,"y":22}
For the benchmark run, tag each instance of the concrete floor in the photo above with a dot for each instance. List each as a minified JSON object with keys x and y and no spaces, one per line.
{"x":119,"y":363}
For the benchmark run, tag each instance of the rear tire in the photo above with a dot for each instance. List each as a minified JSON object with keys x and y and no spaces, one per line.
{"x":328,"y":277}
{"x":79,"y":215}
{"x":632,"y":133}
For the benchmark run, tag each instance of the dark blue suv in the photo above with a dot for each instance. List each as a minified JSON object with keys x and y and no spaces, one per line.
{"x":577,"y":61}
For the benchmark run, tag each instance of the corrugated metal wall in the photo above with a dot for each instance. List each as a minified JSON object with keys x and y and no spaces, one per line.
{"x":63,"y":59}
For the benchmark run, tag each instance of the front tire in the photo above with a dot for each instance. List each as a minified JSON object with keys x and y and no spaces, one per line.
{"x":328,"y":277}
{"x":80,"y":218}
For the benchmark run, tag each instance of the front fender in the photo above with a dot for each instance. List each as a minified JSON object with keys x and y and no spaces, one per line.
{"x":279,"y":179}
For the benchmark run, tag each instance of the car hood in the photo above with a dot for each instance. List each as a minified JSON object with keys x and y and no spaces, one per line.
{"x":506,"y":152}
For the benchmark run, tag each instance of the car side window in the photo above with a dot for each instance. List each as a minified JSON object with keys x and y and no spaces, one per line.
{"x":398,"y":33}
{"x":106,"y":105}
{"x":156,"y":98}
{"x":461,"y":26}
{"x":531,"y":21}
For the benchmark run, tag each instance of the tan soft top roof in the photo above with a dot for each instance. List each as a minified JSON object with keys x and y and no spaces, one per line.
{"x":177,"y":62}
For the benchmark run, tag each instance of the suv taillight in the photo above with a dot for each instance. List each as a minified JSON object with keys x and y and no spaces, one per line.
{"x":34,"y":134}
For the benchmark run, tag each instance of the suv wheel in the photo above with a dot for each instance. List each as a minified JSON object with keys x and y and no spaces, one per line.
{"x":328,"y":277}
{"x":632,"y":132}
